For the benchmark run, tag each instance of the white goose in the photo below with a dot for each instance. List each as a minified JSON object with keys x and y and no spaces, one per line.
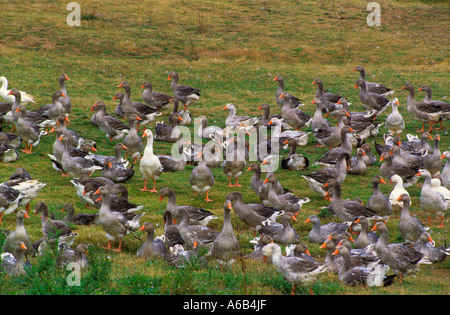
{"x":150,"y":165}
{"x":4,"y":93}
{"x":396,"y":192}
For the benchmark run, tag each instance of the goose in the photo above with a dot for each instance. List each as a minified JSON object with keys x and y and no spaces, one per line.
{"x":64,"y":100}
{"x":360,"y":275}
{"x":177,"y":161}
{"x":410,"y":227}
{"x":76,"y":166}
{"x":32,"y":117}
{"x":169,"y":132}
{"x":295,"y":270}
{"x":266,"y":117}
{"x":27,"y":187}
{"x":186,"y":94}
{"x":194,"y":236}
{"x":14,"y":264}
{"x":132,"y":141}
{"x":357,"y":116}
{"x":202,"y":179}
{"x":116,"y":172}
{"x":445,"y":173}
{"x":327,"y":99}
{"x":28,"y":132}
{"x":396,"y":192}
{"x":254,"y":215}
{"x":145,"y":112}
{"x":119,"y":107}
{"x":225,"y":247}
{"x":9,"y":200}
{"x":428,"y":99}
{"x":301,"y":137}
{"x":394,"y":123}
{"x":282,"y":233}
{"x":386,"y":147}
{"x":433,"y":162}
{"x":346,"y":210}
{"x":388,"y":169}
{"x":331,"y":136}
{"x":234,"y":163}
{"x":368,"y":157}
{"x":19,"y":235}
{"x":258,"y":186}
{"x":235,"y":121}
{"x":286,"y":202}
{"x":436,"y":186}
{"x":117,"y":159}
{"x":320,"y":232}
{"x":294,"y":161}
{"x":51,"y":229}
{"x":115,"y":224}
{"x":155,"y":99}
{"x":365,"y":237}
{"x":150,"y":166}
{"x":402,"y":259}
{"x":119,"y":197}
{"x":4,"y":93}
{"x":318,"y":121}
{"x":358,"y":165}
{"x":258,"y":244}
{"x":317,"y":179}
{"x":413,"y":160}
{"x":74,"y":137}
{"x":432,"y":202}
{"x":54,"y":109}
{"x":80,"y":186}
{"x":79,"y":218}
{"x":331,"y":158}
{"x":171,"y":234}
{"x":153,"y":248}
{"x":426,"y":246}
{"x":8,"y":153}
{"x":293,"y":116}
{"x":204,"y":131}
{"x":113,"y":128}
{"x":184,"y":113}
{"x":371,"y":101}
{"x":379,"y":202}
{"x":197,"y":216}
{"x":430,"y":113}
{"x":280,"y":90}
{"x":416,"y":144}
{"x":376,"y":88}
{"x":66,"y":255}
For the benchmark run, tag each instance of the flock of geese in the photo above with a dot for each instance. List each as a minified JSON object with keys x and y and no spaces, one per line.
{"x":365,"y":262}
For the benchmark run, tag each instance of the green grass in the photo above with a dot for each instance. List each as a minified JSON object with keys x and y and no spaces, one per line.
{"x":231,"y":50}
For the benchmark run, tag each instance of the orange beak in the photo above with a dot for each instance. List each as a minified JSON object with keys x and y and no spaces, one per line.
{"x":169,"y":77}
{"x":63,"y":95}
{"x":314,"y":82}
{"x":266,"y":181}
{"x":307,"y":221}
{"x":357,"y":220}
{"x":26,"y":216}
{"x":180,"y":119}
{"x":374,"y":228}
{"x":285,"y":142}
{"x":144,"y":134}
{"x":275,"y":79}
{"x":249,"y":169}
{"x":120,"y":85}
{"x":324,"y":245}
{"x":226,"y":107}
{"x":442,"y":156}
{"x":97,"y":192}
{"x":281,"y":96}
{"x":10,"y":92}
{"x":22,"y":245}
{"x":142,"y":228}
{"x":142,"y":86}
{"x":336,"y":252}
{"x":419,"y":174}
{"x":338,"y":102}
{"x":382,"y":181}
{"x":313,"y":102}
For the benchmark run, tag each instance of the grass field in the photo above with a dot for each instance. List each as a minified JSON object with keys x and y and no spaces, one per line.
{"x":231,"y":50}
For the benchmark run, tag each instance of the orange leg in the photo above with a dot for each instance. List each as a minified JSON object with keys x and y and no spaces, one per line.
{"x":109,"y":245}
{"x":207,"y":198}
{"x":237,"y":183}
{"x":293,"y":290}
{"x":119,"y":249}
{"x":145,"y":186}
{"x":229,"y":182}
